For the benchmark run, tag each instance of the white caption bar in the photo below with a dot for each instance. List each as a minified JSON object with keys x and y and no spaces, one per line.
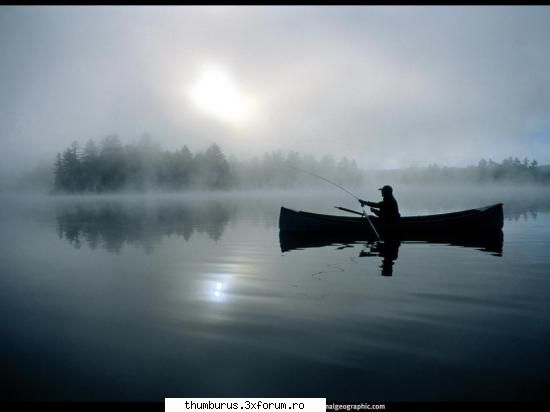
{"x":245,"y":404}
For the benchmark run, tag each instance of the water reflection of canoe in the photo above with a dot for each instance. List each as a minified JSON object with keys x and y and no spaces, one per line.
{"x":475,"y":228}
{"x":490,"y":242}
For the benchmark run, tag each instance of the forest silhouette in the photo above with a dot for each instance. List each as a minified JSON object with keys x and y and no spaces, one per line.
{"x":111,"y":166}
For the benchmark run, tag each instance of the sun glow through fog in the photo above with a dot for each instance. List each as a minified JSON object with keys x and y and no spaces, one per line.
{"x":216,"y":94}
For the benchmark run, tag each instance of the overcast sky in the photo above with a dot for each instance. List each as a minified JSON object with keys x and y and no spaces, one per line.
{"x":386,"y":86}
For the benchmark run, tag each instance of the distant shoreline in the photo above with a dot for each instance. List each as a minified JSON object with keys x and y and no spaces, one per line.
{"x":144,"y":167}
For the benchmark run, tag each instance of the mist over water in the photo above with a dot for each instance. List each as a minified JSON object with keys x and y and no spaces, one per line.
{"x":140,"y":297}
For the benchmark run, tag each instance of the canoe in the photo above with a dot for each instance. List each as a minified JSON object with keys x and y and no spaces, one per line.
{"x":471,"y":223}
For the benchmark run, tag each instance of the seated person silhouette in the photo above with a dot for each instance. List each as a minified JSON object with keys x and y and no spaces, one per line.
{"x":387,"y":210}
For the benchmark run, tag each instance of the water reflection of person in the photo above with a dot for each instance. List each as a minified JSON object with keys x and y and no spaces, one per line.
{"x":388,"y":250}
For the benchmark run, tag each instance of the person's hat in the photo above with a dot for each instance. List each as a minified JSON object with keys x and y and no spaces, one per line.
{"x":386,"y":189}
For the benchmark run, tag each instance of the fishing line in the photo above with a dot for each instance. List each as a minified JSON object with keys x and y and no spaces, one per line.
{"x":345,"y":190}
{"x":326,"y":180}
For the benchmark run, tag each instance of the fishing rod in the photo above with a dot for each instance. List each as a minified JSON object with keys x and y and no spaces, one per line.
{"x":350,"y":211}
{"x":345,"y":190}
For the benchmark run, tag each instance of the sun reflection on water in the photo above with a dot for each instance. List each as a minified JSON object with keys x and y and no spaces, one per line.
{"x":219,"y":287}
{"x":216,"y":289}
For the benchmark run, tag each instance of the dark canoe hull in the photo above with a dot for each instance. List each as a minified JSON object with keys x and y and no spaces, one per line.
{"x":462,"y":225}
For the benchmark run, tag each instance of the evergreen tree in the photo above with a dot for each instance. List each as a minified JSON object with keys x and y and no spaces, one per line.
{"x":216,"y":168}
{"x":90,"y":167}
{"x":71,"y":169}
{"x":112,"y":174}
{"x":58,"y":185}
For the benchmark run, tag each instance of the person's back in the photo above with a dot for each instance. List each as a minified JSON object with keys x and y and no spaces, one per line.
{"x":390,"y":209}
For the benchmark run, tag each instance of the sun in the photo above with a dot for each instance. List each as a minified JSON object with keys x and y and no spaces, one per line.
{"x":217,"y":94}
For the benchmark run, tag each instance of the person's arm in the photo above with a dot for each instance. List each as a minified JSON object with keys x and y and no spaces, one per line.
{"x":371,"y":204}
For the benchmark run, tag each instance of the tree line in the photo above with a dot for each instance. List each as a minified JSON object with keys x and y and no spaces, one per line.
{"x":511,"y":170}
{"x":110,"y":166}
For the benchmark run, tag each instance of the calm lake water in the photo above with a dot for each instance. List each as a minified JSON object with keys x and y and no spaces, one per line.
{"x":141,"y":298}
